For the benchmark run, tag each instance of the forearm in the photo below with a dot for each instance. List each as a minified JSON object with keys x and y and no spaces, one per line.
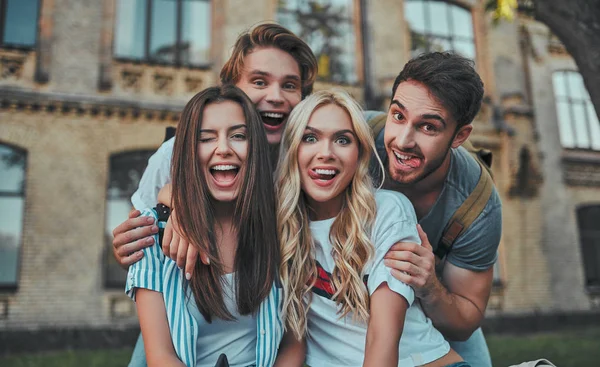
{"x":381,"y":350}
{"x":292,"y":352}
{"x":168,"y":360}
{"x":456,"y":317}
{"x":155,"y":329}
{"x":386,"y":324}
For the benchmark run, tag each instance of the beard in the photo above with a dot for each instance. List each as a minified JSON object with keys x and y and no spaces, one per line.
{"x":402,"y":179}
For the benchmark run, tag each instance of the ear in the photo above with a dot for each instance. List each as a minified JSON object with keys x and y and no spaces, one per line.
{"x":462,"y":135}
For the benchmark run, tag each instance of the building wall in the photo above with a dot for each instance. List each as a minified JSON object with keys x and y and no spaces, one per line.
{"x":560,"y":241}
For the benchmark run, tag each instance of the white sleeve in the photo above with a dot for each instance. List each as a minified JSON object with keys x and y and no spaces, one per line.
{"x":156,"y":175}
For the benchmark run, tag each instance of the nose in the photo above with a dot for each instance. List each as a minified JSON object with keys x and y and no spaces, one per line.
{"x":274,"y":95}
{"x":223,"y":146}
{"x":405,"y":138}
{"x":325,"y":152}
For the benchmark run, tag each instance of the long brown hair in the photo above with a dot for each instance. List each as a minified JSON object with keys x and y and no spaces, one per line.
{"x":257,"y":256}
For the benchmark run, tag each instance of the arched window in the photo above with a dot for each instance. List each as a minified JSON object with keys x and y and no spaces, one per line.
{"x":13,"y":164}
{"x":328,"y":27}
{"x":588,"y":220}
{"x":174,"y":32}
{"x":439,"y":26}
{"x":577,"y":120}
{"x":126,"y":170}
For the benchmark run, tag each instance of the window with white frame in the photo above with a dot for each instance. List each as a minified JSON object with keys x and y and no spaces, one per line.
{"x":578,"y":123}
{"x":439,"y":26}
{"x":171,"y":32}
{"x":328,"y":27}
{"x":126,"y":170}
{"x":13,"y":163}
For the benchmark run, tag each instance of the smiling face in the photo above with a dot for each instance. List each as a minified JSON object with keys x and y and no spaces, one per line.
{"x":419,"y":133}
{"x":271,"y":78}
{"x":223,"y":148}
{"x":327,"y":159}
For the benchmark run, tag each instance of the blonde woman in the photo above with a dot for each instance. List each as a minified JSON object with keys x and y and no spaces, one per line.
{"x":335,"y":230}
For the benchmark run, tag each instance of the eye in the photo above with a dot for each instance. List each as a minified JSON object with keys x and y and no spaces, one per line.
{"x":259,"y":82}
{"x":398,"y":116}
{"x":430,"y":128}
{"x":290,"y":86}
{"x":309,"y":138}
{"x":206,"y":139}
{"x":239,"y":136}
{"x":343,"y":140}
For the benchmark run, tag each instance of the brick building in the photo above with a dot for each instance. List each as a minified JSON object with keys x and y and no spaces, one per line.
{"x":87,"y":89}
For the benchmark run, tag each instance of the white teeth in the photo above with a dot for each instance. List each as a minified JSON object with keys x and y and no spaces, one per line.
{"x":274,"y":115}
{"x":401,"y":156}
{"x":224,"y":167}
{"x":325,"y":171}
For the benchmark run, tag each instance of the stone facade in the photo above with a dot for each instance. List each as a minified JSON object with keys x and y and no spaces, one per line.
{"x":71,"y":105}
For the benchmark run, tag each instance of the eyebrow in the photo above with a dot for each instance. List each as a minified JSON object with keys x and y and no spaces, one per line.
{"x":345,"y":131}
{"x":234,"y":127}
{"x":430,"y":116}
{"x":265,"y":74}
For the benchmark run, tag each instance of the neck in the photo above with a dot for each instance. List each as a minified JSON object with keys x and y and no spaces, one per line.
{"x":224,"y":210}
{"x":322,"y":211}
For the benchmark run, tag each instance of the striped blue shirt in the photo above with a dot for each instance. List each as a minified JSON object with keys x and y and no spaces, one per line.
{"x":159,"y":273}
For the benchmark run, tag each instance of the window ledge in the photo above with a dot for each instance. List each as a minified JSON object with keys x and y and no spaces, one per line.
{"x":206,"y":66}
{"x":581,"y":167}
{"x":581,"y":156}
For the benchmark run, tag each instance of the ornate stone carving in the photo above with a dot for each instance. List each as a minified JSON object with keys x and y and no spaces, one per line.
{"x":192,"y":84}
{"x":12,"y":65}
{"x":163,"y":84}
{"x":131,"y":80}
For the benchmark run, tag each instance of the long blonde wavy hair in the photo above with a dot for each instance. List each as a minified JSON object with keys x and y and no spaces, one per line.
{"x":350,"y":232}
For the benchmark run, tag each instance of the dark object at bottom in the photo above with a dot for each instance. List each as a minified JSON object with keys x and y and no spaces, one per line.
{"x":222,"y":361}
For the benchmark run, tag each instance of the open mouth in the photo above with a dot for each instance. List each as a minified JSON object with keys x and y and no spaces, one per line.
{"x":224,"y":173}
{"x":273,"y":119}
{"x":322,"y":175}
{"x":408,"y":160}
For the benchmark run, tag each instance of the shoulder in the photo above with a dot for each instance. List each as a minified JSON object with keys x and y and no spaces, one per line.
{"x":464,"y":176}
{"x":393,"y":207}
{"x":166,"y":149}
{"x":464,"y":172}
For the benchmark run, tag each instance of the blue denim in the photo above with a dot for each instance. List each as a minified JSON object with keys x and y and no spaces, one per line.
{"x":459,"y":364}
{"x":474,"y":351}
{"x":138,"y":358}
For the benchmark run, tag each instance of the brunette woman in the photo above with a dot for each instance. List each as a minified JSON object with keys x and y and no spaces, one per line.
{"x":224,"y":196}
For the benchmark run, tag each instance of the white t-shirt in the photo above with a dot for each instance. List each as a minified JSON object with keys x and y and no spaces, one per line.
{"x":335,"y":342}
{"x":237,"y":339}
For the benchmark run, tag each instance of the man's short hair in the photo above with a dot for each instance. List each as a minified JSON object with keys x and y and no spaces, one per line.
{"x":451,"y":79}
{"x":271,"y":35}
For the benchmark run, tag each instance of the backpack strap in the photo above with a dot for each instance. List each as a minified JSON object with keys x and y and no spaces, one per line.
{"x":466,"y":214}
